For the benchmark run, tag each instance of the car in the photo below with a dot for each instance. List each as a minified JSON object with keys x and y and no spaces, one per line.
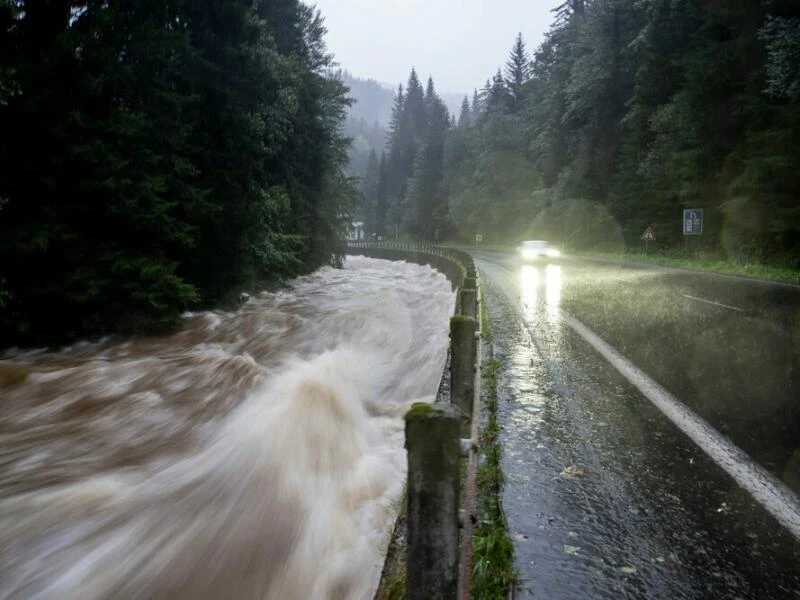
{"x":533,"y":249}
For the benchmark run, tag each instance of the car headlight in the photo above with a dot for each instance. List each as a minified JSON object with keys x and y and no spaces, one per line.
{"x":528,"y":253}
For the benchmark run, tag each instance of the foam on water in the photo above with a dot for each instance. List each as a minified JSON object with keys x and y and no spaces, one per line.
{"x":284,"y":484}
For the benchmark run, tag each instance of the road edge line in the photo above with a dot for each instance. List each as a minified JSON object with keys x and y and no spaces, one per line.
{"x":763,"y":486}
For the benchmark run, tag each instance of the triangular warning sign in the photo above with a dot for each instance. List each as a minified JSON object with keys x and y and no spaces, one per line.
{"x":649,"y":235}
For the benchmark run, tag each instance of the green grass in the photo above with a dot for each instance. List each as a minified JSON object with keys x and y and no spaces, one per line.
{"x":708,"y":262}
{"x":493,"y":572}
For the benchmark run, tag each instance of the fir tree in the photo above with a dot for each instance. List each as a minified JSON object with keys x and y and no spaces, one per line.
{"x":517,"y":71}
{"x":465,"y":116}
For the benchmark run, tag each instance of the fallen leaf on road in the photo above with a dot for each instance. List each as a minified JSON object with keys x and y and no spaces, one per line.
{"x":628,"y":570}
{"x":571,"y":549}
{"x":572,"y":471}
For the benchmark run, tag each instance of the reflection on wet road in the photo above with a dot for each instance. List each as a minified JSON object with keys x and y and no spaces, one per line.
{"x":605,"y":497}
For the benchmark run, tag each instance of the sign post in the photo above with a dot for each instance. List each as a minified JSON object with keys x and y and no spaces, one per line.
{"x":648,"y":236}
{"x":478,"y":238}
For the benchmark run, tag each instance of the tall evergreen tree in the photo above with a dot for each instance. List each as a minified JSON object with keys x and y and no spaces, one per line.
{"x":476,"y":105}
{"x":517,"y":71}
{"x":369,"y":194}
{"x":381,"y":198}
{"x":465,"y":115}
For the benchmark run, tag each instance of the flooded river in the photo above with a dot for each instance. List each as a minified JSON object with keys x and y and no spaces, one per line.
{"x":252,"y":454}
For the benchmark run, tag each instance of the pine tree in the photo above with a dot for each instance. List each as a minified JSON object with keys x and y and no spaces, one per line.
{"x":498,"y":97}
{"x":465,"y":116}
{"x":425,"y":204}
{"x":567,"y":10}
{"x":369,"y":194}
{"x":415,"y":105}
{"x":517,"y":72}
{"x":381,"y":198}
{"x":397,"y":114}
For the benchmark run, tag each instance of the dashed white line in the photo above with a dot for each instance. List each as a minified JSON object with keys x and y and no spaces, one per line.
{"x":728,"y":306}
{"x":764,"y":487}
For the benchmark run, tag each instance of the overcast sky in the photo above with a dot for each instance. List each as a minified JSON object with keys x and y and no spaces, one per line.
{"x":460,"y":44}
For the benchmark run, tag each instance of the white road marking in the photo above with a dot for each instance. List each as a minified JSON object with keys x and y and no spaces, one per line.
{"x":764,"y":487}
{"x":712,"y":302}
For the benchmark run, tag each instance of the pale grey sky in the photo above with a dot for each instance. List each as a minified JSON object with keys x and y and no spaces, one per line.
{"x":460,"y":43}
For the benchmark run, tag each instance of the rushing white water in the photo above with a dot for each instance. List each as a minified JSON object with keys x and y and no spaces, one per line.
{"x":254,"y":454}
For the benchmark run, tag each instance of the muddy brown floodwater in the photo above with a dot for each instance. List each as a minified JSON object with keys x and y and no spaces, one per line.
{"x":252,"y":454}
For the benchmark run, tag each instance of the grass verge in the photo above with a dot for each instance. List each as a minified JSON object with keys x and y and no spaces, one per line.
{"x":710,"y":263}
{"x":493,"y":572}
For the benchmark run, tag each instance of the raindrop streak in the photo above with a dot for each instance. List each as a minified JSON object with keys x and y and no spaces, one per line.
{"x":254,"y":454}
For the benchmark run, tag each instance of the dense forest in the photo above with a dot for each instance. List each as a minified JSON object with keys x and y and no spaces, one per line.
{"x":402,"y":190}
{"x":628,"y":113}
{"x":156,"y":157}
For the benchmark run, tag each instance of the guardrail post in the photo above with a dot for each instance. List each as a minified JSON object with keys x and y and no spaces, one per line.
{"x":469,"y":302}
{"x":433,"y":442}
{"x":463,"y":347}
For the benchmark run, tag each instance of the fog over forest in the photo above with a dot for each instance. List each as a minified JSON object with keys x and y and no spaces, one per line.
{"x":158,"y":159}
{"x":625,"y":115}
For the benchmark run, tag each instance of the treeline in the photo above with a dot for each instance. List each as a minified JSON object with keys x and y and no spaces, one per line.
{"x":402,"y":190}
{"x":156,"y":156}
{"x":626,"y":114}
{"x":366,"y":138}
{"x":373,"y":102}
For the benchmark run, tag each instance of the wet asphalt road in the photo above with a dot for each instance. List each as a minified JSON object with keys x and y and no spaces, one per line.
{"x":605,"y":496}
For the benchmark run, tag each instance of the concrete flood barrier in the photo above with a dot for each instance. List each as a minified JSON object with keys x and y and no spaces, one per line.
{"x":463,"y":352}
{"x":434,"y":456}
{"x":440,"y":435}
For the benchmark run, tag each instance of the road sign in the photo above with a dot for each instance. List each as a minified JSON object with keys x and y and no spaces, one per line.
{"x":692,"y":221}
{"x":478,"y":238}
{"x":648,"y":235}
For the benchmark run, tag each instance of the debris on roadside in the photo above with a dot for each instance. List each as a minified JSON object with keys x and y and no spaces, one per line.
{"x":572,"y":471}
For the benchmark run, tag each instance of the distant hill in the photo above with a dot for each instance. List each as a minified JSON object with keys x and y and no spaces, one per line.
{"x":367,"y":120}
{"x":369,"y":116}
{"x":373,"y":101}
